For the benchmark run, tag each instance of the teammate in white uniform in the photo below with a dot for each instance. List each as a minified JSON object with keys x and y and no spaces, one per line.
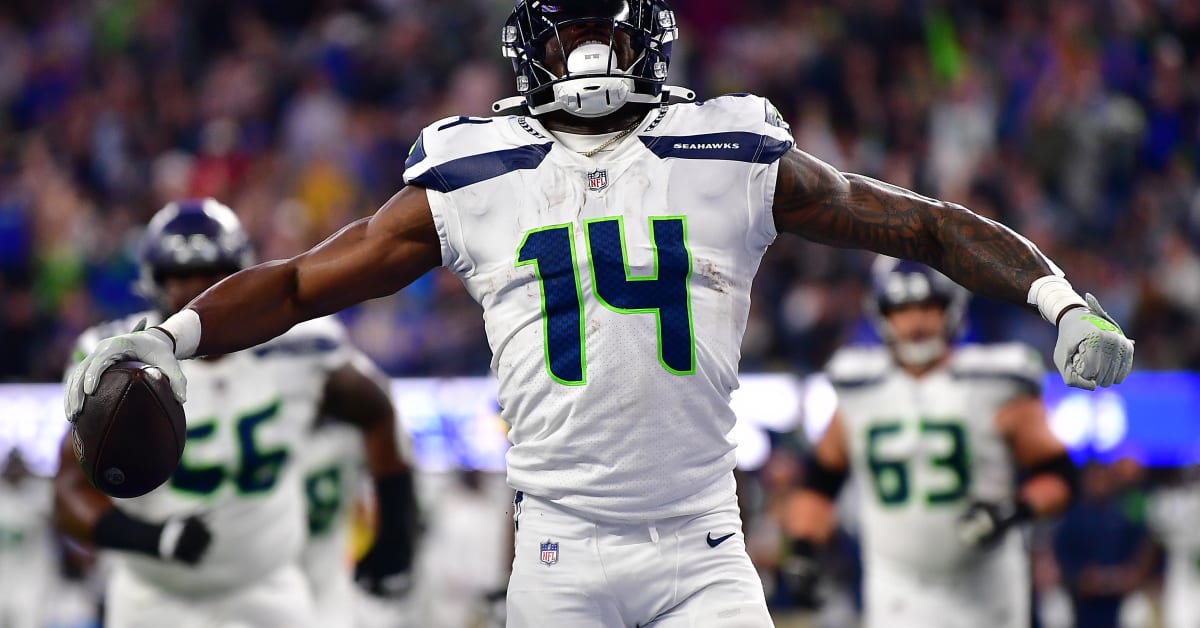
{"x":1172,"y":515}
{"x":27,"y":558}
{"x":936,"y":435}
{"x":219,"y":543}
{"x":611,"y":230}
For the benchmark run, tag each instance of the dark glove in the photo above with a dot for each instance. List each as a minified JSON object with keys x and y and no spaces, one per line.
{"x":384,"y":570}
{"x":182,"y":539}
{"x":984,"y":523}
{"x":800,"y":575}
{"x":192,"y":541}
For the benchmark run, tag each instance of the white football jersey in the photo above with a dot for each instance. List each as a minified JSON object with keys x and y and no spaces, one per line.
{"x":248,"y":414}
{"x":27,"y":557}
{"x":1172,"y":515}
{"x":923,"y":448}
{"x":615,"y":292}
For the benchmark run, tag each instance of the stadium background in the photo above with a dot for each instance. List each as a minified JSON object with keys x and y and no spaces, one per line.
{"x":1075,"y":122}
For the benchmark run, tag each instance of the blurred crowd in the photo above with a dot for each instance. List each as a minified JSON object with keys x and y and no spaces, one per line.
{"x":1075,"y":122}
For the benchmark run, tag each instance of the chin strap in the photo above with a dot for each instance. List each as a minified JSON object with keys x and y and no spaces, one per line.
{"x":670,"y":94}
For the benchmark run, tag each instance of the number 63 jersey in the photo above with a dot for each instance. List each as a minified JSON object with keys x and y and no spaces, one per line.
{"x":615,"y":293}
{"x":924,"y":448}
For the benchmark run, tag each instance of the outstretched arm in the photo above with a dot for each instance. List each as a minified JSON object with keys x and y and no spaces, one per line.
{"x":819,"y":203}
{"x":372,"y":257}
{"x":815,"y":201}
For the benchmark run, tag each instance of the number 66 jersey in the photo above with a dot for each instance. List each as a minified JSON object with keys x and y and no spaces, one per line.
{"x":615,"y":292}
{"x":248,"y":414}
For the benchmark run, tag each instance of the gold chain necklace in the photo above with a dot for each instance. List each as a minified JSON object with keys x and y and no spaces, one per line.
{"x":613,"y":140}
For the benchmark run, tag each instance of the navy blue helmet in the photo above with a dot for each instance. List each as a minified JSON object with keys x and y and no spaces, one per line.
{"x":188,"y":237}
{"x":593,"y":84}
{"x":896,"y":282}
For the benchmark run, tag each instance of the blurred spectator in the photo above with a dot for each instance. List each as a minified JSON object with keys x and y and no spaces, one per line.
{"x":1102,"y":548}
{"x":1075,"y":122}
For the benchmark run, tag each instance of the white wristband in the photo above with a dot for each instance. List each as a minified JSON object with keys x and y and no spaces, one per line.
{"x":169,"y":538}
{"x":184,"y":327}
{"x":1052,"y":294}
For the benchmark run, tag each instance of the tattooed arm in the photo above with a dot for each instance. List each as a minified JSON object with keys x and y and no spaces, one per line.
{"x":815,"y":201}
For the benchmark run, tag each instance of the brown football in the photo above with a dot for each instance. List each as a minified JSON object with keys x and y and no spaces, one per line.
{"x":130,"y":434}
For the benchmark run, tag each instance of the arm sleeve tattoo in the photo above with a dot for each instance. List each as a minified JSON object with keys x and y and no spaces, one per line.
{"x":815,"y":201}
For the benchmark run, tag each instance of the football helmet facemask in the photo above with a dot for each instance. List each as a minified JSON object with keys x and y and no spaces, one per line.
{"x":188,"y":237}
{"x":592,"y":84}
{"x":897,"y":282}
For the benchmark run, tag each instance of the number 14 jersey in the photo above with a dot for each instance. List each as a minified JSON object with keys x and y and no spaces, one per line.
{"x":615,"y":293}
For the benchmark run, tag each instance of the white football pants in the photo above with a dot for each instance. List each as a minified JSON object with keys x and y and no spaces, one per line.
{"x":993,"y":592}
{"x":686,"y":572}
{"x":280,"y":600}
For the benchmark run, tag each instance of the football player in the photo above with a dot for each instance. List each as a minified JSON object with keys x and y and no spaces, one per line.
{"x":220,"y":542}
{"x":27,"y":556}
{"x":938,"y":435}
{"x":1172,"y":513}
{"x":611,"y":228}
{"x":334,"y":469}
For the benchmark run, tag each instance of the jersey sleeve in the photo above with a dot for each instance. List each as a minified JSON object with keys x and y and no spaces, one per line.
{"x":777,"y":142}
{"x":321,"y":342}
{"x":454,"y":154}
{"x":857,"y":366}
{"x":429,"y":156}
{"x":1015,"y":367}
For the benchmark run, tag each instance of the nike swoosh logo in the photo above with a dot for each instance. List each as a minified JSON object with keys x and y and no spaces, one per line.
{"x":717,"y":541}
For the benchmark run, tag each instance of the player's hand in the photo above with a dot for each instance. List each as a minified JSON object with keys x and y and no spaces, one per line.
{"x":185,"y":540}
{"x":800,"y":575}
{"x":985,"y":523}
{"x":1092,"y":350}
{"x":384,"y":571}
{"x":153,"y":346}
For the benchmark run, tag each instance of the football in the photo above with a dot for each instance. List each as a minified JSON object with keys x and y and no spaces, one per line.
{"x":130,"y":434}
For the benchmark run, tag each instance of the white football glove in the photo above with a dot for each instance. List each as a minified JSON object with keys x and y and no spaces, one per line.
{"x":153,"y":346}
{"x":1092,"y":350}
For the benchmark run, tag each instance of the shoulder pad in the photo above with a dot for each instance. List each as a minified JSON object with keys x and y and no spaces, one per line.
{"x":857,"y":366}
{"x":456,"y":152}
{"x":316,"y":337}
{"x":92,"y":336}
{"x":1014,"y":361}
{"x":735,"y":127}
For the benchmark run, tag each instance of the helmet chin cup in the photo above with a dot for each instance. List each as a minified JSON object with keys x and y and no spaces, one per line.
{"x":593,"y":96}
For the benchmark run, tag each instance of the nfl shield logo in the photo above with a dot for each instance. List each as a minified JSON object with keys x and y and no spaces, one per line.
{"x":597,"y":180}
{"x":549,"y":552}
